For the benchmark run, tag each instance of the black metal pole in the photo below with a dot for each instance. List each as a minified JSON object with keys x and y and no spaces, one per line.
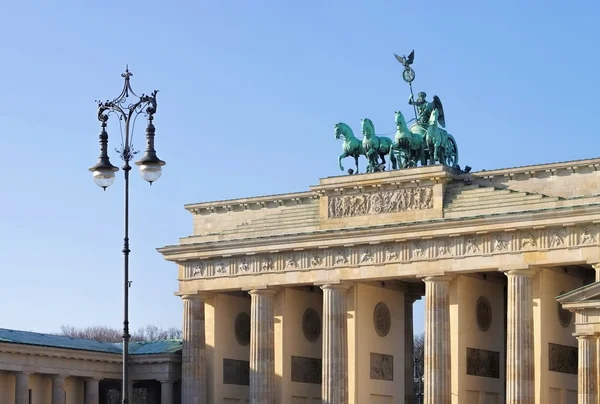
{"x":126,"y":251}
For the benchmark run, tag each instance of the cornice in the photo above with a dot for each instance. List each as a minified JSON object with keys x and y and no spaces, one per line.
{"x":53,"y":352}
{"x":533,"y":169}
{"x":386,"y":232}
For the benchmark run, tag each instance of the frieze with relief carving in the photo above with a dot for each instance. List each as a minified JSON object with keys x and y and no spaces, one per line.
{"x":401,"y":251}
{"x":376,"y":203}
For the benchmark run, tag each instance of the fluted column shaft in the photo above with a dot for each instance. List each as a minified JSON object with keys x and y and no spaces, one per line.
{"x":597,"y":268}
{"x":519,"y":338}
{"x":193,"y":366}
{"x":409,"y":350}
{"x":22,"y":388}
{"x":92,"y":394}
{"x":262,"y":346}
{"x":587,"y":376}
{"x":58,"y":390}
{"x":334,"y":388}
{"x":437,"y":341}
{"x":166,"y":392}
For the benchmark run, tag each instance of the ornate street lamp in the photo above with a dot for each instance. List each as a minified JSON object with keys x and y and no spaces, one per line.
{"x":127,"y":110}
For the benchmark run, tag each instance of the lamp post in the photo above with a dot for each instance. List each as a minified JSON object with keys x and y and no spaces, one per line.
{"x":127,"y":110}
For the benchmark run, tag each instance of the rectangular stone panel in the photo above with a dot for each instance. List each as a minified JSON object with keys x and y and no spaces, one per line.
{"x":383,"y":202}
{"x":483,"y":363}
{"x":382,"y":367}
{"x":562,"y":359}
{"x":236,"y":372}
{"x":306,"y":370}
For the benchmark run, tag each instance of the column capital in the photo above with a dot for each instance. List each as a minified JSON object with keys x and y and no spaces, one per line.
{"x":590,"y":337}
{"x":524,"y":270}
{"x":438,"y":278}
{"x":24,"y":372}
{"x":334,"y":285}
{"x":198,"y":296}
{"x":262,"y":290}
{"x":166,"y":381}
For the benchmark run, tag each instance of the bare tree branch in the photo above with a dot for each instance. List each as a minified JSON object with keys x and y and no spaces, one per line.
{"x":107,"y":334}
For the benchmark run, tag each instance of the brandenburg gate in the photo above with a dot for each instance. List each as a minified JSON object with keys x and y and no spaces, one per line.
{"x":307,"y":297}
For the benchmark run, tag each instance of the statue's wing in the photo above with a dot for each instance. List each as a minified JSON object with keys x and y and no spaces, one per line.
{"x":411,"y":58}
{"x":400,"y":59}
{"x":438,"y":105}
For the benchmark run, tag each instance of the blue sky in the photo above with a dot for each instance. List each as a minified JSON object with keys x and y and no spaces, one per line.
{"x":249,"y":94}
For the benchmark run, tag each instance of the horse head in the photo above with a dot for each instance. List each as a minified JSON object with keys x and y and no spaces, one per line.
{"x":433,"y":118}
{"x":343,"y":131}
{"x":400,"y":121}
{"x":368,"y":128}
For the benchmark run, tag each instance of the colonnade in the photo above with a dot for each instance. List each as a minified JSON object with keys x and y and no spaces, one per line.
{"x":519,"y":356}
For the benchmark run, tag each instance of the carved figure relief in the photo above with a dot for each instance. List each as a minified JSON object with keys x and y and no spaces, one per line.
{"x":500,"y":243}
{"x":587,"y":237}
{"x":242,"y":329}
{"x":290,"y":262}
{"x":382,"y":367}
{"x":484,"y":313}
{"x":316,"y":259}
{"x":382,"y":320}
{"x":199,"y":269}
{"x":400,"y":200}
{"x":267,"y":264}
{"x":528,"y":241}
{"x":311,"y":324}
{"x":391,"y":254}
{"x":445,"y":248}
{"x":471,"y":245}
{"x":418,"y":251}
{"x":557,"y":238}
{"x":306,"y":370}
{"x":366,"y":256}
{"x":562,"y":359}
{"x":244,"y":265}
{"x":340,"y":258}
{"x":483,"y":363}
{"x":220,"y":268}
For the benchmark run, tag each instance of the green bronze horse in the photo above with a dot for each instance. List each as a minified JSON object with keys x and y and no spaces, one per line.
{"x":375,"y":147}
{"x":441,"y":144}
{"x":351,"y":147}
{"x":410,"y":146}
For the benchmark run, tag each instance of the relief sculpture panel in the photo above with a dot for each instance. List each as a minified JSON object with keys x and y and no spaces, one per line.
{"x":483,"y":363}
{"x":562,"y":359}
{"x":399,"y":200}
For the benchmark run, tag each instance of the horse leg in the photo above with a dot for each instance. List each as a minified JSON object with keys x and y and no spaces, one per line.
{"x":356,"y":161}
{"x":343,"y":155}
{"x":393,"y":159}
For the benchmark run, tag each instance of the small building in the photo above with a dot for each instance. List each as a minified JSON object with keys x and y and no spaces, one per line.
{"x":43,"y":368}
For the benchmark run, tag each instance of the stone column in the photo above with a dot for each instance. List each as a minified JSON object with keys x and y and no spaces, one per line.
{"x":409,"y":354}
{"x":22,"y":388}
{"x":587,"y":375}
{"x":597,"y":268}
{"x":262,"y":346}
{"x":58,"y":389}
{"x":437,"y":341}
{"x":334,"y":388}
{"x":519,"y":338}
{"x":92,"y":391}
{"x":166,"y":391}
{"x":193,"y":366}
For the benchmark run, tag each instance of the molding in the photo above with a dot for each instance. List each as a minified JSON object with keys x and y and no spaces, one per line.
{"x":524,"y":241}
{"x":570,"y":215}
